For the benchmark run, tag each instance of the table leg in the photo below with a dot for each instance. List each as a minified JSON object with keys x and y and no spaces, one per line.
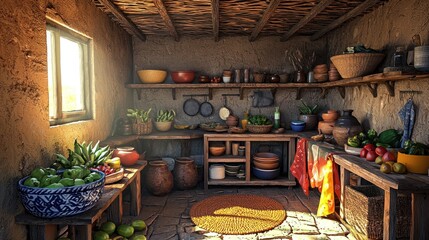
{"x":292,"y":149}
{"x":135,"y":189}
{"x":206,"y":164}
{"x":389,"y":221}
{"x":420,"y":216}
{"x":115,"y":211}
{"x":46,"y":232}
{"x":344,"y":181}
{"x":83,"y":232}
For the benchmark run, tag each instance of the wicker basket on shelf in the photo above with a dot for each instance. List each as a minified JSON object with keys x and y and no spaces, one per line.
{"x":356,"y":64}
{"x":142,"y":128}
{"x":259,"y":128}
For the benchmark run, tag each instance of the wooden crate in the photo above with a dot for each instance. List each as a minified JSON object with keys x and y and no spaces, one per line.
{"x":364,"y":206}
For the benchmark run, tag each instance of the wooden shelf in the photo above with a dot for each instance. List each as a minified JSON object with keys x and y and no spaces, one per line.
{"x":231,"y":181}
{"x":372,"y":81}
{"x":226,"y":159}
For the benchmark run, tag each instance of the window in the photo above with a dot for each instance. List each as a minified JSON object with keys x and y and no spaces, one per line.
{"x":68,"y":54}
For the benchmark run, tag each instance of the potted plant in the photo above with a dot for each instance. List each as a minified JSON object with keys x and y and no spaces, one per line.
{"x":308,"y":114}
{"x":164,"y":119}
{"x":142,"y":123}
{"x":259,"y":124}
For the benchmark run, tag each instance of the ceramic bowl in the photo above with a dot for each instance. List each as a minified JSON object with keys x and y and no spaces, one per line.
{"x":297,"y":128}
{"x":217,"y":150}
{"x":266,"y":165}
{"x":330,"y":116}
{"x":232,"y":167}
{"x":298,"y":123}
{"x":61,"y":202}
{"x":265,"y":174}
{"x":265,"y":160}
{"x":152,"y":76}
{"x":265,"y":155}
{"x":183,"y":76}
{"x":163,"y":126}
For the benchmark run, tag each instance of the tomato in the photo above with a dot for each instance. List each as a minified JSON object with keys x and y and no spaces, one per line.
{"x":125,"y":230}
{"x":389,"y":156}
{"x":363,"y":153}
{"x":380,"y":150}
{"x":371,"y":156}
{"x":369,"y":147}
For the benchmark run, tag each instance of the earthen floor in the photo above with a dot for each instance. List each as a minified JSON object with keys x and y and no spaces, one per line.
{"x":167,"y":217}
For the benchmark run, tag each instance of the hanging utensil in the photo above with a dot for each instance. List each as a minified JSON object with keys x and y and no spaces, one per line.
{"x":206,"y":108}
{"x":191,"y":107}
{"x":224,"y":112}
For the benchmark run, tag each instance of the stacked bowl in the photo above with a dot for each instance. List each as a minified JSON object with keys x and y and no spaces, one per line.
{"x":266,"y":165}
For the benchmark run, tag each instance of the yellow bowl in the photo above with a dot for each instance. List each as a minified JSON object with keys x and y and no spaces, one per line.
{"x":152,"y":76}
{"x":414,"y":163}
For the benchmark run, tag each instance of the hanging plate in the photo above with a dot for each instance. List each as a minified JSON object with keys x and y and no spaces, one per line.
{"x":206,"y":109}
{"x":191,"y":107}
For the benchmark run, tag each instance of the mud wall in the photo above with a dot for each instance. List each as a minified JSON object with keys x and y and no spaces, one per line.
{"x":389,"y":26}
{"x":205,"y":56}
{"x":26,"y":138}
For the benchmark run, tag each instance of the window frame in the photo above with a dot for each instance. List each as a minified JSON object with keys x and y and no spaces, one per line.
{"x":85,"y":43}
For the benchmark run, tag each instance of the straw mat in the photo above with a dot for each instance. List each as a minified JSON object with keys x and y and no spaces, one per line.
{"x":238,"y":214}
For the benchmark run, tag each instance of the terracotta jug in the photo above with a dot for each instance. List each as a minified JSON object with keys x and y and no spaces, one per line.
{"x":185,"y":173}
{"x":128,"y":155}
{"x":346,"y":126}
{"x":159,"y":180}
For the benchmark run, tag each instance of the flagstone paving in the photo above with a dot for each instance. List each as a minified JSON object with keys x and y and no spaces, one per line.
{"x":168,"y":217}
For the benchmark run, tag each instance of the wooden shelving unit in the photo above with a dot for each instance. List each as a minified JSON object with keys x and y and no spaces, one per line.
{"x":286,"y":178}
{"x":372,"y":81}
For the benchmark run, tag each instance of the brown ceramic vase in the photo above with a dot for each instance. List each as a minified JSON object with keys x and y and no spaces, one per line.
{"x":159,"y":180}
{"x":346,"y":126}
{"x":185,"y":173}
{"x":310,"y":121}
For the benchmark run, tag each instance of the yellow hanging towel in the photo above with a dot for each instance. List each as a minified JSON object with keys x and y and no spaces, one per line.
{"x":327,"y":198}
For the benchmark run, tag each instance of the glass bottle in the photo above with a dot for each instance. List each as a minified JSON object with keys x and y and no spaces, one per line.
{"x":399,"y":57}
{"x":277,"y":118}
{"x":244,"y":120}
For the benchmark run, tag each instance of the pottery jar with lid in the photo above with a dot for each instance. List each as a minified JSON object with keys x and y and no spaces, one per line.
{"x":185,"y":173}
{"x":159,"y":179}
{"x":346,"y":126}
{"x":128,"y":155}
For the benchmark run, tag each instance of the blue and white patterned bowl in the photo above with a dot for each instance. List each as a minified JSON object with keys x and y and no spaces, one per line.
{"x":61,"y":202}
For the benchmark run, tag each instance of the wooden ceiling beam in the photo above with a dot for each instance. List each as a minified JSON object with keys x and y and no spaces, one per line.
{"x":123,"y":19}
{"x":167,"y":20}
{"x":264,"y":19}
{"x":353,"y":13}
{"x":312,"y":14}
{"x":215,"y":19}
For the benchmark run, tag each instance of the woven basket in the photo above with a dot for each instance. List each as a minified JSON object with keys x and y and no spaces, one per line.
{"x":142,"y":128}
{"x":356,"y":64}
{"x":259,"y":128}
{"x":364,"y":207}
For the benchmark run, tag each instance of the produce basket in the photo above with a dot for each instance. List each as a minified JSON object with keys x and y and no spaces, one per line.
{"x":259,"y":128}
{"x":356,"y":64}
{"x":364,"y":207}
{"x":61,"y":202}
{"x":142,"y":128}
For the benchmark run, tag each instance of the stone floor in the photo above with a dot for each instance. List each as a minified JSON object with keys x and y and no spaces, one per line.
{"x":167,"y":217}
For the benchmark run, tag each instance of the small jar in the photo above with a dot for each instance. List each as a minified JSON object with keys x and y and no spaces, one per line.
{"x":241,"y":150}
{"x":399,"y":59}
{"x":300,"y":76}
{"x":217,"y":171}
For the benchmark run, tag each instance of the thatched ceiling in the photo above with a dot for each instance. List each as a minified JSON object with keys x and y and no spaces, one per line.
{"x":220,"y":18}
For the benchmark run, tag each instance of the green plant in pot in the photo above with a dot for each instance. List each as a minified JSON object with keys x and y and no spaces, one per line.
{"x":142,"y":122}
{"x":259,"y":124}
{"x":164,"y":119}
{"x":308,"y":114}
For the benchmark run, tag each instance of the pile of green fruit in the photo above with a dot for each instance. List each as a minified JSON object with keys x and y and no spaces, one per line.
{"x":85,"y":155}
{"x":389,"y":138}
{"x":415,"y":148}
{"x":49,"y":178}
{"x":109,"y":230}
{"x":259,"y":120}
{"x":165,"y":115}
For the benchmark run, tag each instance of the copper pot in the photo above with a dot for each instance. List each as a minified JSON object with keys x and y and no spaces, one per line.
{"x":326,"y":127}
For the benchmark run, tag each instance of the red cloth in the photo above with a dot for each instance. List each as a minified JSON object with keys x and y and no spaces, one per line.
{"x":299,"y":168}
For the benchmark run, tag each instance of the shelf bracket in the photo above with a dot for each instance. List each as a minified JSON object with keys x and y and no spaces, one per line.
{"x":139,"y":94}
{"x":373,"y":88}
{"x":342,"y":91}
{"x":173,"y":93}
{"x":241,"y":93}
{"x":298,"y":93}
{"x":324,"y":92}
{"x":210,"y":94}
{"x":390,"y":87}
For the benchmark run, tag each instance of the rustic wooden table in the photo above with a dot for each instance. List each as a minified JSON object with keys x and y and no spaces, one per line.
{"x":81,"y":225}
{"x":416,"y":184}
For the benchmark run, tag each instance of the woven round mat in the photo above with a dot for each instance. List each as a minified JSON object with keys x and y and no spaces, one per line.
{"x":238,"y":214}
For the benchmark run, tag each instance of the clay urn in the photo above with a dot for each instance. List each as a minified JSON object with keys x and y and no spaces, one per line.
{"x":346,"y":126}
{"x":159,"y":180}
{"x":185,"y":173}
{"x":128,"y":155}
{"x":310,"y":120}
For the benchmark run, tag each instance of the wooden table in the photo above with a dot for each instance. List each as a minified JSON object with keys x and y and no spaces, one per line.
{"x":416,"y":184}
{"x":81,"y":224}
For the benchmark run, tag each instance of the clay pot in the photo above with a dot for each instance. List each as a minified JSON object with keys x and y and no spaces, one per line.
{"x":326,"y":127}
{"x":330,"y":116}
{"x":185,"y":173}
{"x":128,"y":155}
{"x":346,"y":126}
{"x":159,"y":180}
{"x":310,"y":121}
